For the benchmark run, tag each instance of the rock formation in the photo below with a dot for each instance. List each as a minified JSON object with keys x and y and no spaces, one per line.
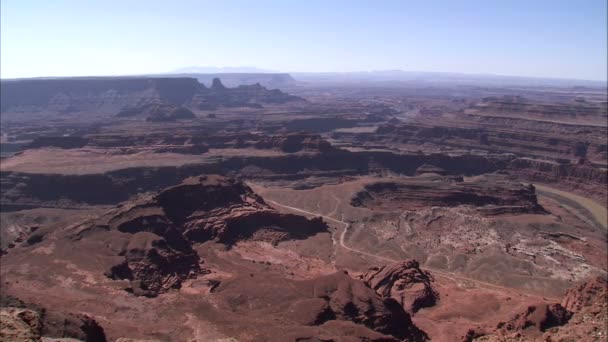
{"x":270,"y":80}
{"x":153,"y":265}
{"x":582,"y":316}
{"x":112,"y":94}
{"x":493,"y":193}
{"x":585,"y":295}
{"x":405,"y":282}
{"x":343,"y":298}
{"x":589,"y":304}
{"x":157,"y":254}
{"x":294,"y":142}
{"x":253,"y":96}
{"x":24,"y":322}
{"x":540,"y":317}
{"x":587,"y":178}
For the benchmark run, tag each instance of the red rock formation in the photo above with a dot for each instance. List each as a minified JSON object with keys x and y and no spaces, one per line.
{"x":492,"y":193}
{"x":349,"y":299}
{"x":153,"y":266}
{"x":582,"y":316}
{"x":159,"y":255}
{"x":589,"y":302}
{"x":405,"y":282}
{"x":540,"y":316}
{"x":21,"y":321}
{"x":585,"y":294}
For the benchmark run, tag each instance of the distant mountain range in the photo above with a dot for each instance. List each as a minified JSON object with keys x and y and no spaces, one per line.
{"x":249,"y":75}
{"x":436,"y":78}
{"x":235,"y":76}
{"x":221,"y":70}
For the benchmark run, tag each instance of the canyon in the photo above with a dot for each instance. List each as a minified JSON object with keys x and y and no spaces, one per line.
{"x":208,"y":207}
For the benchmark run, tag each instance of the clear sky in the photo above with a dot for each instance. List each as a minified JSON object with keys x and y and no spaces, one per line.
{"x":545,"y":38}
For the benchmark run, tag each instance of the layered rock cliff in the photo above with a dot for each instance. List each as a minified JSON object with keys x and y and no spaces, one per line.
{"x":405,"y":282}
{"x":109,"y":95}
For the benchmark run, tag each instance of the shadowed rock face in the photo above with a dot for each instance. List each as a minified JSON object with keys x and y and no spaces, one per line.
{"x":542,"y":317}
{"x":158,"y":112}
{"x":153,"y":266}
{"x":78,"y":94}
{"x":295,"y":142}
{"x":405,"y":282}
{"x":61,"y":142}
{"x":116,"y":186}
{"x":215,"y":207}
{"x":492,"y":193}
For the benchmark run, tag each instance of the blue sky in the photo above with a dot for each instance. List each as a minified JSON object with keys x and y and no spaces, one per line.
{"x":544,"y":38}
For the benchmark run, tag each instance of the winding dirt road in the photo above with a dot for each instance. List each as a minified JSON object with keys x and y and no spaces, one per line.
{"x":451,"y":276}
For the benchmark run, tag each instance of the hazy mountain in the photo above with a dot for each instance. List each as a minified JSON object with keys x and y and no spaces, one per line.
{"x":430,"y":78}
{"x":220,"y":70}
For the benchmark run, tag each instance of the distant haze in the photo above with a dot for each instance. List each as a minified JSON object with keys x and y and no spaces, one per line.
{"x":219,"y":70}
{"x":543,"y":38}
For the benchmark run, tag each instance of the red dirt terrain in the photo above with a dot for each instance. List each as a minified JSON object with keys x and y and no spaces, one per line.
{"x":162,"y":209}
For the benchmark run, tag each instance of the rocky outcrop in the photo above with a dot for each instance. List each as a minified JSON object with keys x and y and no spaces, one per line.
{"x":589,"y":303}
{"x":271,"y":80}
{"x":157,"y":254}
{"x":405,"y":282}
{"x":582,"y":316}
{"x":149,"y":242}
{"x":26,"y":322}
{"x":294,"y":142}
{"x":586,"y":294}
{"x":19,"y":325}
{"x":541,"y":317}
{"x":490,"y":193}
{"x":253,"y":96}
{"x":218,"y":208}
{"x":155,"y":265}
{"x":340,"y":297}
{"x":332,"y":307}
